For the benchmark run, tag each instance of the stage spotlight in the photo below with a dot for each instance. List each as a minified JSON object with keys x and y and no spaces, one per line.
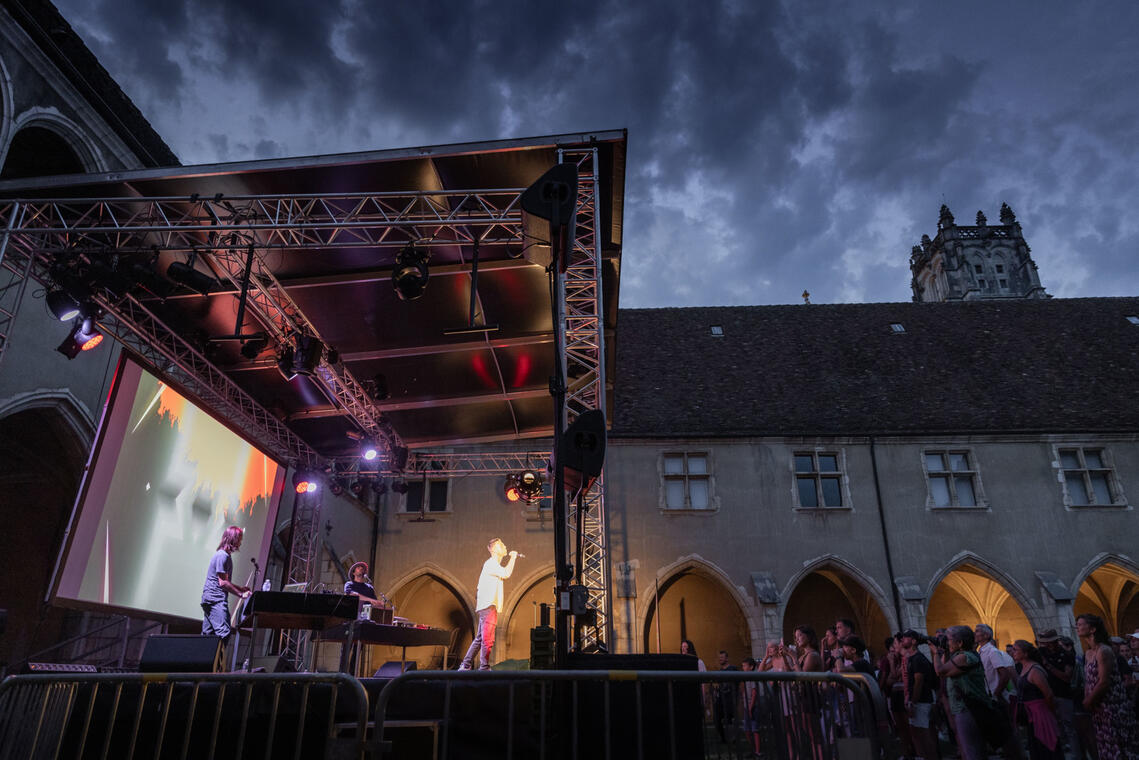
{"x":83,"y":337}
{"x":62,"y":305}
{"x":335,"y":487}
{"x":357,"y":488}
{"x":410,"y":274}
{"x":186,"y":274}
{"x":300,"y":358}
{"x":379,"y":486}
{"x":304,"y":482}
{"x":253,"y":347}
{"x":399,"y":486}
{"x":510,"y":488}
{"x":368,"y":450}
{"x":530,"y":486}
{"x":377,"y":387}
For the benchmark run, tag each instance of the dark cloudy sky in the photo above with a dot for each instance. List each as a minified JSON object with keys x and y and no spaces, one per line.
{"x":772,"y":146}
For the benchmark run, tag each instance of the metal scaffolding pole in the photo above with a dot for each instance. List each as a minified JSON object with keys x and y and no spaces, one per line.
{"x":304,"y":567}
{"x":585,"y":371}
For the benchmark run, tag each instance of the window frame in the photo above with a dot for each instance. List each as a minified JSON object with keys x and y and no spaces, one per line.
{"x":425,"y":507}
{"x":973,"y":473}
{"x":818,"y":476}
{"x":1114,"y":486}
{"x":685,"y":477}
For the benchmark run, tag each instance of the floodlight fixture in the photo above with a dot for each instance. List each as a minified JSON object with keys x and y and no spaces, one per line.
{"x":525,"y":486}
{"x":83,"y":337}
{"x":304,"y":481}
{"x":399,"y":486}
{"x":409,"y":277}
{"x":62,"y":305}
{"x":368,"y":450}
{"x":184,"y":273}
{"x":302,"y":357}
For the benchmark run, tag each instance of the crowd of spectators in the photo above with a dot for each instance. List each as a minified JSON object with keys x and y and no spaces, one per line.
{"x":955,"y":693}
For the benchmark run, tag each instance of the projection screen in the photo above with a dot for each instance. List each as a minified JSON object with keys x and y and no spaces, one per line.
{"x":163,"y":481}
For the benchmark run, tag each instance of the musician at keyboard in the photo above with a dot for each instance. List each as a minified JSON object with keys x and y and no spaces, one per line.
{"x":219,"y":583}
{"x":361,"y":585}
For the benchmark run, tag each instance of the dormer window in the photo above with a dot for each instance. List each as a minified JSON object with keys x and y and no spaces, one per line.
{"x":718,"y":331}
{"x":897,"y":327}
{"x":1133,"y":319}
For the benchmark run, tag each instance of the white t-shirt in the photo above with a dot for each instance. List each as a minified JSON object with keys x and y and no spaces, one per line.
{"x":490,"y":585}
{"x":993,"y":658}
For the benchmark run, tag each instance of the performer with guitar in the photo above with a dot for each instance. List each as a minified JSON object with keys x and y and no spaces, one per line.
{"x":215,"y":603}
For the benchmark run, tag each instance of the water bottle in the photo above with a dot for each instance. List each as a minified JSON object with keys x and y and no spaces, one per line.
{"x":366,"y":612}
{"x":266,"y":585}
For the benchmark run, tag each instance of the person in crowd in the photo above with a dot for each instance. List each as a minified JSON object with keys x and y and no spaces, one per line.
{"x":960,"y":667}
{"x":1000,"y":678}
{"x":724,"y":700}
{"x":808,"y":659}
{"x":749,"y":700}
{"x":891,"y":679}
{"x":918,"y":689}
{"x":1059,"y":664}
{"x":1085,"y":730}
{"x":830,"y":648}
{"x":844,"y":628}
{"x":778,"y":659}
{"x":1036,"y":701}
{"x":688,"y":648}
{"x":852,"y":660}
{"x":941,"y":712}
{"x":1116,"y":730}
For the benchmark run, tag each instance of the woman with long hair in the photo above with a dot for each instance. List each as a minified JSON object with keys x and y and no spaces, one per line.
{"x":1116,"y":732}
{"x":219,"y":583}
{"x":1036,"y":701}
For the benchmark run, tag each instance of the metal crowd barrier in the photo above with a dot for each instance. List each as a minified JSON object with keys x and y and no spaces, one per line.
{"x":563,"y":715}
{"x":174,"y":715}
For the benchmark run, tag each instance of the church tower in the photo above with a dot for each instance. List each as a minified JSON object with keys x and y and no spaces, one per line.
{"x":969,"y":263}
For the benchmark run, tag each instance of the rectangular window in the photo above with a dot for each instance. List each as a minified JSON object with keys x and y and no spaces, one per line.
{"x":437,"y":493}
{"x":1004,"y":284}
{"x":980,"y":283}
{"x":977,"y":268}
{"x":686,"y":481}
{"x":952,"y":479}
{"x":1088,"y":480}
{"x":818,"y":479}
{"x":1000,"y":268}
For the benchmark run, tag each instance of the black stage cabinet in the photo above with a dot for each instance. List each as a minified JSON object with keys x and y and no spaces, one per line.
{"x":480,"y":714}
{"x":174,"y":653}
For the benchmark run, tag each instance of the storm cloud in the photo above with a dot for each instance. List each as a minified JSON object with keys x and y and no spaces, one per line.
{"x":773,"y":147}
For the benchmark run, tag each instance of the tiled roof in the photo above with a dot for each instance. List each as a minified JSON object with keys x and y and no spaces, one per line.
{"x":1056,"y":365}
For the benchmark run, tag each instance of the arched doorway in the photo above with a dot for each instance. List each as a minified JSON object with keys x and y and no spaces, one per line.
{"x":514,"y":638}
{"x":43,"y":458}
{"x":829,"y":593}
{"x":1112,"y":592}
{"x":968,"y":595}
{"x":430,"y":600}
{"x":697,"y":605}
{"x":39,"y":152}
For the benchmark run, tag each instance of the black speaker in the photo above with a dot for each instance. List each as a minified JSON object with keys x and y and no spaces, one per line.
{"x":391,"y":668}
{"x":583,"y":449}
{"x":171,"y":653}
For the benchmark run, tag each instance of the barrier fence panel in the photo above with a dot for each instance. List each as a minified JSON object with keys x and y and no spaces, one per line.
{"x":173,"y":715}
{"x":562,"y":715}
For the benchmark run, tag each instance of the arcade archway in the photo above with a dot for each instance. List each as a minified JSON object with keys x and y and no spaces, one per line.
{"x":829,"y":593}
{"x":428,"y":599}
{"x":968,"y":595}
{"x":514,"y":637}
{"x":696,"y":605}
{"x":1112,"y":592}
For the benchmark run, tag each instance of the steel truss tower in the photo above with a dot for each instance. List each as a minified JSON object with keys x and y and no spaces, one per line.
{"x":235,"y":232}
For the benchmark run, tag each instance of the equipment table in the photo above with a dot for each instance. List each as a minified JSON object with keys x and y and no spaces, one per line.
{"x":357,"y":632}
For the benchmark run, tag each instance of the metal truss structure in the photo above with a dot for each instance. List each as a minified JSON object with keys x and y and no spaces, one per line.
{"x":584,"y":348}
{"x":234,"y":232}
{"x":443,"y":465}
{"x":304,"y":566}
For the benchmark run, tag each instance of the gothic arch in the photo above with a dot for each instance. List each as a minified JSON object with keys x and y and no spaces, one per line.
{"x":71,"y":410}
{"x":510,"y":624}
{"x":875,"y":623}
{"x":695,"y":565}
{"x":7,"y":115}
{"x":1101,"y":559}
{"x":1027,"y":604}
{"x":977,"y":591}
{"x":441,"y":575}
{"x":523,"y":585}
{"x":52,"y":120}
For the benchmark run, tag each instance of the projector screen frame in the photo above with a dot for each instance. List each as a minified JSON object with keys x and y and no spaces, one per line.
{"x":53,"y":598}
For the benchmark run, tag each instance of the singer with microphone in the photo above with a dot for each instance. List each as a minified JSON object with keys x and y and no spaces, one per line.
{"x":489,"y":602}
{"x":361,"y":584}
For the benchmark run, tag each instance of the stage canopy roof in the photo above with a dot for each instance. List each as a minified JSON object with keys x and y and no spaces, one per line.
{"x":328,"y":229}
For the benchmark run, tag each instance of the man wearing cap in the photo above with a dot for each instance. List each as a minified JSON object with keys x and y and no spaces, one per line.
{"x":919,"y":694}
{"x":1060,"y":665}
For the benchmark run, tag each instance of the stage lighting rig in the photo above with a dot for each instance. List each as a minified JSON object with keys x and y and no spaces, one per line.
{"x":409,"y":277}
{"x":304,"y":481}
{"x":184,"y":273}
{"x":300,"y":358}
{"x":525,"y":486}
{"x":62,"y":305}
{"x":83,"y":337}
{"x":368,"y":450}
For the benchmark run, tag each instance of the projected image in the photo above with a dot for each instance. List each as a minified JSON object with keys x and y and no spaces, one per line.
{"x":168,"y":480}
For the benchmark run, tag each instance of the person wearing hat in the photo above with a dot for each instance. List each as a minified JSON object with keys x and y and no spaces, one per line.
{"x":1060,"y":665}
{"x":360,"y":585}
